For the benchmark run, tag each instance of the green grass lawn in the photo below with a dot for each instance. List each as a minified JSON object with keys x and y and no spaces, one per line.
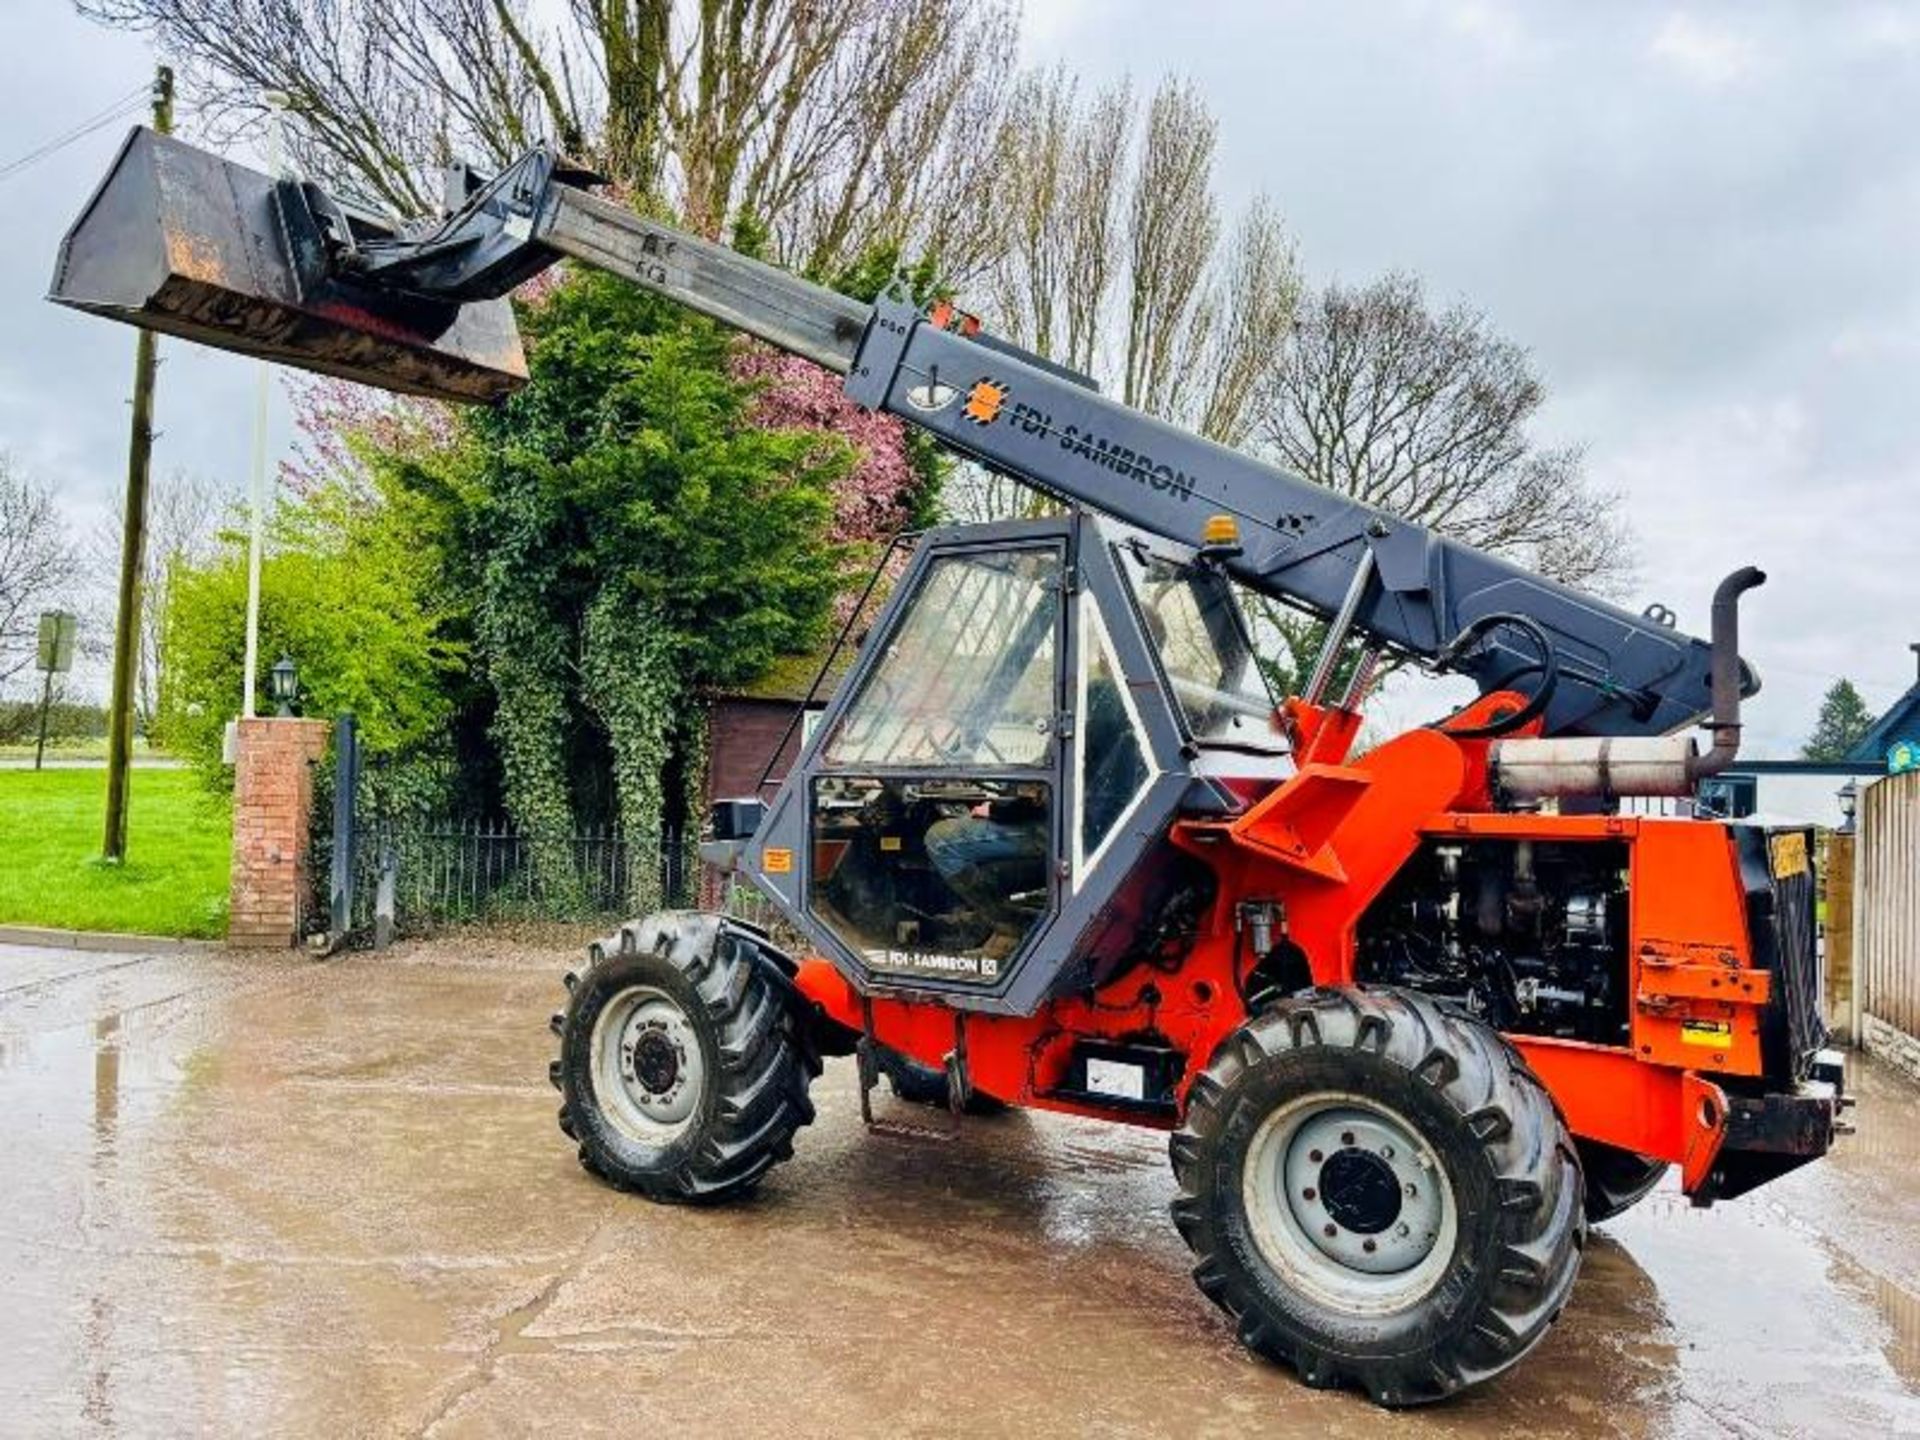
{"x":174,"y":881}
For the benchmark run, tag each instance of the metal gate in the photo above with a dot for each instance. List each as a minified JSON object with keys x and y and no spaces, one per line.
{"x":383,"y":874}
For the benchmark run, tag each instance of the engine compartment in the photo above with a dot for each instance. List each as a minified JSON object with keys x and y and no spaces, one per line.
{"x":1529,"y":935}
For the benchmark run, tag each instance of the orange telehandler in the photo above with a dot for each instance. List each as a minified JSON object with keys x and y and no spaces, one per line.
{"x":1411,"y":1018}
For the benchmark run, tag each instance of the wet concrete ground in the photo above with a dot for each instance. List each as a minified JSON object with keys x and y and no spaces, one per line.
{"x":244,"y":1195}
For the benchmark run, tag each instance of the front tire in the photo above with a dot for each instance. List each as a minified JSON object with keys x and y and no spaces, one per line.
{"x":683,"y":1072}
{"x":1380,"y":1192}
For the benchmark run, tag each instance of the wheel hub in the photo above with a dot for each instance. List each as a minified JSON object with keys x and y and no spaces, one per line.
{"x":655,"y":1062}
{"x":1360,"y":1191}
{"x":1348,"y":1201}
{"x":649,"y":1074}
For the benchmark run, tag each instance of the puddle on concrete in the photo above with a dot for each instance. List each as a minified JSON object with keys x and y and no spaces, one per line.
{"x":332,"y":1199}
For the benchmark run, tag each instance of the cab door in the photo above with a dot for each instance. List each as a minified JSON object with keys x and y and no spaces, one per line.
{"x":933,"y":798}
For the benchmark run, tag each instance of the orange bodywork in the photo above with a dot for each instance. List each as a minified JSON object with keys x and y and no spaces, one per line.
{"x":1324,"y":843}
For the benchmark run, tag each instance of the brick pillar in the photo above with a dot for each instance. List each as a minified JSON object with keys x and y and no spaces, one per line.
{"x":272,"y":803}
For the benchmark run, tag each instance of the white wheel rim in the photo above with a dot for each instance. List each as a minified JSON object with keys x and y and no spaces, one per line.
{"x":1349,"y":1204}
{"x":648,"y":1072}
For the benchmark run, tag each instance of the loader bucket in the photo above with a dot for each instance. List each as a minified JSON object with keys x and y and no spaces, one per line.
{"x":181,"y":241}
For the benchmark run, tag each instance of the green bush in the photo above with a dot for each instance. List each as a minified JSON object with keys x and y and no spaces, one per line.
{"x":342,"y":595}
{"x":619,"y":534}
{"x":67,"y":721}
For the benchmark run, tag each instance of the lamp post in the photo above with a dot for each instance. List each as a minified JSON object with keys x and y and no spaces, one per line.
{"x":256,"y":527}
{"x":1849,"y":803}
{"x":285,"y":682}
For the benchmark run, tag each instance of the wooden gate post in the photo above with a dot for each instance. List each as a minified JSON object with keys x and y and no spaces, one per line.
{"x":1839,"y":935}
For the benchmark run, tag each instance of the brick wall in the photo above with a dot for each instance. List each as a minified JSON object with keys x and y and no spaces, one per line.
{"x":272,"y":801}
{"x":741,"y":735}
{"x":1892,"y":1044}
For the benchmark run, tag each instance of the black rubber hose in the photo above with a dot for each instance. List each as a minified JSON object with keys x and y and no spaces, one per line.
{"x":1548,"y":667}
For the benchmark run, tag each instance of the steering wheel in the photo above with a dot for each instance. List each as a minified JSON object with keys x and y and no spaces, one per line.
{"x":1546,"y":666}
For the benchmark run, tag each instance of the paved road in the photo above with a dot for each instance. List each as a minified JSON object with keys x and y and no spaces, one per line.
{"x":244,"y":1196}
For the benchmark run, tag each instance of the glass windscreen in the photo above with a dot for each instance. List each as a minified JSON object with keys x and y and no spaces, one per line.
{"x":968,"y":675}
{"x":1194,"y":621}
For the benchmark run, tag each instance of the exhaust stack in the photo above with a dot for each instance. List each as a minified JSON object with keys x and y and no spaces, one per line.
{"x":1727,"y":675}
{"x":184,"y":242}
{"x":1525,"y":771}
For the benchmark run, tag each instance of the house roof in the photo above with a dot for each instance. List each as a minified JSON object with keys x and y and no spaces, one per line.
{"x":1901,"y":722}
{"x":791,"y":677}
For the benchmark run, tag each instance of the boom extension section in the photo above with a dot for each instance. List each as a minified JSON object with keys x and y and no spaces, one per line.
{"x":306,"y":282}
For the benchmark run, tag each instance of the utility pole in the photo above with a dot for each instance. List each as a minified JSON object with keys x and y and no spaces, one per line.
{"x":133,"y":544}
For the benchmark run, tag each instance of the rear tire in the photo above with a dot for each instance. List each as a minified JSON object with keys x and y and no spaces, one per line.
{"x":1617,"y":1180}
{"x":919,"y":1084}
{"x":683,"y":1072}
{"x":1380,"y":1193}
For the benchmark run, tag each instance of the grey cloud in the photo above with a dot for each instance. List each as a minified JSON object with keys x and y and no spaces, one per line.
{"x":1702,"y":221}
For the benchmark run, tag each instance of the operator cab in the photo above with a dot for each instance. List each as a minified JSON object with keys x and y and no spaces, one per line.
{"x":1031,"y":709}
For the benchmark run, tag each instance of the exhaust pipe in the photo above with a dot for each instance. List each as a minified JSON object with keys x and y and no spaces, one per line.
{"x":1525,"y":771}
{"x":1728,"y":676}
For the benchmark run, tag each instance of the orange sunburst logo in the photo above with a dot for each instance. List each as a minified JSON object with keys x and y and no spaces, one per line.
{"x":984,"y":401}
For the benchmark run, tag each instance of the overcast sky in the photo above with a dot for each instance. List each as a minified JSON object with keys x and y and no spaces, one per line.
{"x":1703,"y":221}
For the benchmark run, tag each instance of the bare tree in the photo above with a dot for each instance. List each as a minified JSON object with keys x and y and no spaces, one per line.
{"x":1258,"y":297}
{"x":836,"y":123}
{"x":38,"y":565}
{"x":1053,"y":273}
{"x":1111,"y":261}
{"x":1425,"y":415}
{"x":183,"y":517}
{"x":1172,"y":224}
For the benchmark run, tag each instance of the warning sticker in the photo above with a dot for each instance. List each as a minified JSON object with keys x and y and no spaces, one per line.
{"x":1715,"y":1033}
{"x":777,"y":862}
{"x":1790,"y":854}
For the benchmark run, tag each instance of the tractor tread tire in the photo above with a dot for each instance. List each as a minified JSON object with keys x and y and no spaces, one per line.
{"x":1516,"y":1178}
{"x":759,"y":1060}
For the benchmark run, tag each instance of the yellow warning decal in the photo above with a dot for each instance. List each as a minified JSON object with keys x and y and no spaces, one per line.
{"x":1790,"y":854}
{"x":889,"y":842}
{"x":1716,"y":1033}
{"x":777,"y":862}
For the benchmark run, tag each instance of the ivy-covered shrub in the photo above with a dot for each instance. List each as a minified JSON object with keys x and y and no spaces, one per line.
{"x":664,"y":510}
{"x":624,"y":533}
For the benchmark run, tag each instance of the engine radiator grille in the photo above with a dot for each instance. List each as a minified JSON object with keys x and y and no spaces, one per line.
{"x":1777,"y":871}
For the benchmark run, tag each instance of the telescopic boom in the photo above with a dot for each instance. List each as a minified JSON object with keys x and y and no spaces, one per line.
{"x":345,"y":294}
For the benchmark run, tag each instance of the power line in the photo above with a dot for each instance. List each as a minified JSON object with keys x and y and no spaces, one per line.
{"x":124,"y":106}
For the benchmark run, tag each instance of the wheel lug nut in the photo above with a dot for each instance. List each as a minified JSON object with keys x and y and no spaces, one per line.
{"x":1412,"y":1189}
{"x":1309,"y":1193}
{"x":1346,"y":1137}
{"x":1331,"y":1230}
{"x":1403,"y":1230}
{"x":1368,"y":1246}
{"x":1315,"y":1156}
{"x":1386,"y":1152}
